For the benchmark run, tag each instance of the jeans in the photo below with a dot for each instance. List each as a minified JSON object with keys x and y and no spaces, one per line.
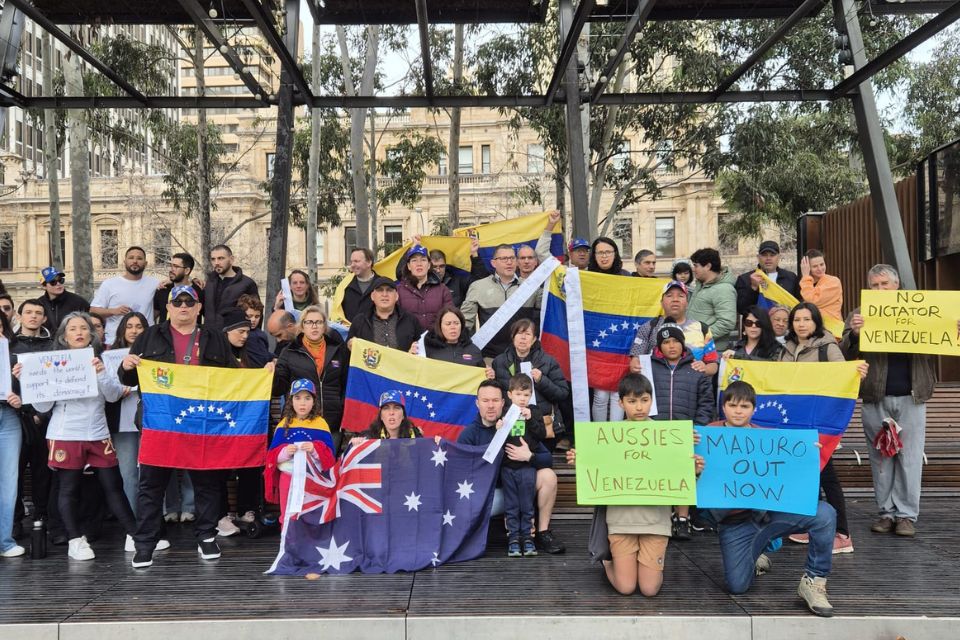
{"x":519,"y":493}
{"x":179,"y":496}
{"x":896,"y":479}
{"x":606,"y":406}
{"x":11,"y":437}
{"x":742,"y":543}
{"x":127,"y":445}
{"x":153,"y":482}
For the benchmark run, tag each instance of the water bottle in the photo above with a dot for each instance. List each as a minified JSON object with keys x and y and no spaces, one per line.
{"x":38,"y":540}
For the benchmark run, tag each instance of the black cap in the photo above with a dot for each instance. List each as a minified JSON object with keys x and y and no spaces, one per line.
{"x":380,"y":281}
{"x":234,"y":318}
{"x":769,"y":245}
{"x":669,"y":331}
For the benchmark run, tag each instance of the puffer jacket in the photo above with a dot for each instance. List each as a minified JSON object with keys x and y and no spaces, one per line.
{"x":552,"y":389}
{"x":483,"y":299}
{"x":464,"y":352}
{"x":810,"y":352}
{"x":923,"y":377}
{"x":425,"y":302}
{"x":682,"y":393}
{"x":295,"y":362}
{"x":715,"y":305}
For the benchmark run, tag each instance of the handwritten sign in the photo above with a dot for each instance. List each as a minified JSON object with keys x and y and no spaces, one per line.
{"x":772,"y":469}
{"x":6,"y":384}
{"x":49,"y":376}
{"x":111,"y":360}
{"x":910,"y":322}
{"x":635,"y":463}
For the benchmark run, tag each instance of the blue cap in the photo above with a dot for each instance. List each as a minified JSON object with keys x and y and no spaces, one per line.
{"x":417,"y":250}
{"x":180,"y":289}
{"x":675,"y":284}
{"x":302,"y":384}
{"x":394,"y":396}
{"x":49,"y":274}
{"x":578,"y":243}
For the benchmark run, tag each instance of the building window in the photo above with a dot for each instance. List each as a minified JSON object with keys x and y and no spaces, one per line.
{"x":349,"y":243}
{"x":465,"y":163}
{"x":666,"y":246}
{"x":6,"y":250}
{"x":622,"y":157}
{"x":485,"y":158}
{"x":162,"y":240}
{"x":729,"y":243}
{"x":535,"y":158}
{"x":270,"y":158}
{"x":63,"y":246}
{"x":321,"y":247}
{"x":623,"y":231}
{"x":109,"y":249}
{"x":442,"y":165}
{"x":392,"y":238}
{"x":665,"y":156}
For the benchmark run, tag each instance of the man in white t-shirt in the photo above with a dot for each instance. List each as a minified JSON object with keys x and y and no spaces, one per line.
{"x":131,"y":291}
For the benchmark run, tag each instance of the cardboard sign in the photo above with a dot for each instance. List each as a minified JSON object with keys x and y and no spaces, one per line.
{"x":910,"y":322}
{"x":769,"y":469}
{"x":635,"y":463}
{"x":49,"y":376}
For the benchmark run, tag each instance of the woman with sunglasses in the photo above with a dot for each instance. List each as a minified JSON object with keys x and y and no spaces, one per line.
{"x":759,"y":341}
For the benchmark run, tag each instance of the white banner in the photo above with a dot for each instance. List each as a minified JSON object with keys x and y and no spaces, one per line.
{"x":578,"y":346}
{"x":490,"y":455}
{"x":646,"y":368}
{"x":49,"y":376}
{"x":6,"y":384}
{"x":506,"y":312}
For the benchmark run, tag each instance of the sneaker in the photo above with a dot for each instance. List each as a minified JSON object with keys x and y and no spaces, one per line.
{"x":842,"y":544}
{"x":13,"y":552}
{"x":209,"y":549}
{"x":248,"y":518}
{"x":563,"y":444}
{"x":142,"y":559}
{"x":129,"y":546}
{"x":187,"y":516}
{"x":171,"y":517}
{"x":813,"y":591}
{"x":799,"y":538}
{"x":762,"y":565}
{"x":681,"y":528}
{"x":513,"y":549}
{"x":548,"y":542}
{"x":529,"y":549}
{"x":226,"y":528}
{"x":905,"y":528}
{"x":882,"y":525}
{"x":80,"y":549}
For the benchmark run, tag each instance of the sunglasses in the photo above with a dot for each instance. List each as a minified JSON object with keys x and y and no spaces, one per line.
{"x":57,"y":280}
{"x":180,"y":302}
{"x":751,"y":323}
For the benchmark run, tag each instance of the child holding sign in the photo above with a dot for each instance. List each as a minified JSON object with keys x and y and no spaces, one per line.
{"x":519,"y":479}
{"x":744,"y":534}
{"x":638,"y":535}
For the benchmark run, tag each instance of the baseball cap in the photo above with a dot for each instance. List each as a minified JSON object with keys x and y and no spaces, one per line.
{"x":417,"y":250}
{"x":394,"y":396}
{"x":674,"y":284}
{"x":578,"y":243}
{"x":381,"y":281}
{"x":302,"y":384}
{"x":181,"y":289}
{"x":669,"y":331}
{"x":49,"y":274}
{"x":769,"y":245}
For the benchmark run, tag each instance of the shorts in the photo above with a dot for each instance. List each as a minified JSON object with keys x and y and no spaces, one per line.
{"x":649,"y":549}
{"x":77,"y":454}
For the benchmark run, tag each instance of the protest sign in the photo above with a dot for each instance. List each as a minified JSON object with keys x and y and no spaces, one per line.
{"x":49,"y":376}
{"x":112,"y":359}
{"x":6,"y":384}
{"x":287,"y":295}
{"x":771,"y":469}
{"x":635,"y":463}
{"x":910,"y":322}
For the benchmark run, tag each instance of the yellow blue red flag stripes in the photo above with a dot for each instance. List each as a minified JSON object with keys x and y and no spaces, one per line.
{"x":614,"y":307}
{"x":772,"y":294}
{"x":203,"y":417}
{"x":440,"y":397}
{"x":800,"y":395}
{"x":518,"y":231}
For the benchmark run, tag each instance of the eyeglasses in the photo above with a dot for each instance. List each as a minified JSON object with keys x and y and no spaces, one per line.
{"x":506,"y":258}
{"x":179,"y":302}
{"x":177,"y":266}
{"x":751,"y":323}
{"x":314,"y":323}
{"x":605,"y":254}
{"x":57,"y":280}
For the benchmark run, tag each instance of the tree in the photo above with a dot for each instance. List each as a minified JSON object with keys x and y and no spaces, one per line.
{"x":52,"y":147}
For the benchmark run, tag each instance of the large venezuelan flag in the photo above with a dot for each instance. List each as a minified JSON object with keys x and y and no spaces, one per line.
{"x":440,"y":396}
{"x":773,"y":294}
{"x":614,"y":307}
{"x":525,"y":230}
{"x":203,"y":417}
{"x":800,"y":395}
{"x":457,"y":251}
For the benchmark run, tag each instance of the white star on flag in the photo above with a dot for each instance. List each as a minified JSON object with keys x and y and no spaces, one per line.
{"x":613,"y":327}
{"x":436,"y":559}
{"x":429,"y":405}
{"x":433,"y":414}
{"x":227,"y":416}
{"x":408,"y":393}
{"x":200,"y":407}
{"x":603,"y":334}
{"x":625,"y":325}
{"x":448,"y":518}
{"x":465,"y":489}
{"x":596,"y":343}
{"x":333,"y":556}
{"x":183,"y":414}
{"x":424,"y":398}
{"x":178,"y":420}
{"x":412,"y":502}
{"x":220,"y":410}
{"x":233,"y":423}
{"x":211,"y":408}
{"x":190,"y":409}
{"x":416,"y":394}
{"x":439,"y":457}
{"x":636,"y":325}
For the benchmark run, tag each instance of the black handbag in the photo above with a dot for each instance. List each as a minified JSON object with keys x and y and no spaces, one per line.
{"x":598,"y":544}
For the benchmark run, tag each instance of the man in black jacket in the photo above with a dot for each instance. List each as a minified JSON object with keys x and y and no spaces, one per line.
{"x":768,"y":261}
{"x":180,"y":269}
{"x":56,"y":300}
{"x":225,"y":284}
{"x":179,"y":340}
{"x":356,"y":295}
{"x":386,"y":323}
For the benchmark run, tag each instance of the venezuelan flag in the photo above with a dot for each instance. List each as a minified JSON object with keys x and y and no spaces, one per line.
{"x":203,"y":417}
{"x":614,"y":307}
{"x":800,"y":395}
{"x":525,"y":230}
{"x":457,"y":251}
{"x":772,"y":294}
{"x":440,"y":396}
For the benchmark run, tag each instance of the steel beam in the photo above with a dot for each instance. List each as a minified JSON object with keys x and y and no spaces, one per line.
{"x":423,"y":26}
{"x":287,"y":60}
{"x":212,"y":31}
{"x":77,"y":48}
{"x":940,"y":22}
{"x":129,"y":102}
{"x":11,"y":97}
{"x":893,"y":241}
{"x":705,"y":97}
{"x":634,"y":24}
{"x":569,"y":46}
{"x":802,"y":11}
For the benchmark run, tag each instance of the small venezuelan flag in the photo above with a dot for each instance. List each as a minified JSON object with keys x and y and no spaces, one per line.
{"x":773,"y":294}
{"x":203,"y":417}
{"x":800,"y":395}
{"x":439,"y":397}
{"x":525,"y":230}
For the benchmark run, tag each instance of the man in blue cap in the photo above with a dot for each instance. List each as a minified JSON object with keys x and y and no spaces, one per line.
{"x":578,"y":249}
{"x":56,"y":300}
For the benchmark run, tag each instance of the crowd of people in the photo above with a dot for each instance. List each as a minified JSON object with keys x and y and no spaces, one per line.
{"x":83,"y":453}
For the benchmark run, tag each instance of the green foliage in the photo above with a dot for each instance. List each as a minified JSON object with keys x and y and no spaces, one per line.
{"x":329,"y":288}
{"x":932,"y":104}
{"x":181,"y":184}
{"x":404,"y":166}
{"x":335,"y":186}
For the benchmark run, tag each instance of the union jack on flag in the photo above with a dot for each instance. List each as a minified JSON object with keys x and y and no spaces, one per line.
{"x":347,"y":480}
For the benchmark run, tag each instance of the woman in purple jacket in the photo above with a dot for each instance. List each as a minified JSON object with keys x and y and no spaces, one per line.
{"x":420,"y":290}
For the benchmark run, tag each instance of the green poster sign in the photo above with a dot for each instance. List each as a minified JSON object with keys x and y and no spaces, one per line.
{"x":635,"y":463}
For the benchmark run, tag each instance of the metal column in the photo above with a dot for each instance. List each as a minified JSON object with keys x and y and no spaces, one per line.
{"x":893,"y":241}
{"x":576,"y":154}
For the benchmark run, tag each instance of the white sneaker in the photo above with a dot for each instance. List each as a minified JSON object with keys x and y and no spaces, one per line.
{"x":171,"y":517}
{"x":249,"y":517}
{"x":187,"y":516}
{"x":130,"y":547}
{"x":226,"y":528}
{"x":79,"y":549}
{"x":13,"y":552}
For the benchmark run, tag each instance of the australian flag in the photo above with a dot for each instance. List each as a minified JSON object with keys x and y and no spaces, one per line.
{"x":391,"y":505}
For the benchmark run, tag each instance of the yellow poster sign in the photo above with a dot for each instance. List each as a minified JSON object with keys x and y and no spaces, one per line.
{"x":910,"y":322}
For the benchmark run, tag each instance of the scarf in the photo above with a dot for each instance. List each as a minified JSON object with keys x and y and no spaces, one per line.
{"x":317,"y":350}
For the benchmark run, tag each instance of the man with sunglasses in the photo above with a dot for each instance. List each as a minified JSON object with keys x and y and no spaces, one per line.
{"x":179,"y":340}
{"x":56,"y":300}
{"x":180,"y":268}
